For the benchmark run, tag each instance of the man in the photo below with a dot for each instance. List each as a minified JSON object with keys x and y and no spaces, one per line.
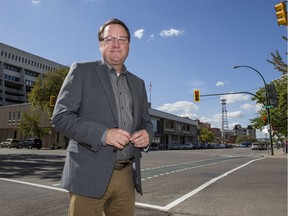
{"x":103,"y":109}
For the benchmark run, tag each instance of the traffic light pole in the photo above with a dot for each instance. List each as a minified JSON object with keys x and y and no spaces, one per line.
{"x":267,"y":102}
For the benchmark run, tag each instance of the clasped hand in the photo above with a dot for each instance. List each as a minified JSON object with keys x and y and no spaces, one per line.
{"x":120,"y":138}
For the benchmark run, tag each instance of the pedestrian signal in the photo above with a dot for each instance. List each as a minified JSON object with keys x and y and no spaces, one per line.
{"x":196,"y":95}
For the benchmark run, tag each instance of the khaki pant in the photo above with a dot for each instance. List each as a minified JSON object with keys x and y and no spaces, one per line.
{"x":119,"y":199}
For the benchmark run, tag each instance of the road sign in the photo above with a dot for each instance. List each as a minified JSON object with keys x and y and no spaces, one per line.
{"x":267,"y":107}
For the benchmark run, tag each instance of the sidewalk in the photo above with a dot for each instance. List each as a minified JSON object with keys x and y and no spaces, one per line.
{"x":278,"y":153}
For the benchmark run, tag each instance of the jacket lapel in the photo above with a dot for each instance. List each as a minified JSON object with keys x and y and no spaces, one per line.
{"x":135,"y":98}
{"x":107,"y":86}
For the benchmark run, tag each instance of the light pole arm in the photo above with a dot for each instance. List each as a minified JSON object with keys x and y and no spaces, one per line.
{"x":238,"y":66}
{"x":267,"y":104}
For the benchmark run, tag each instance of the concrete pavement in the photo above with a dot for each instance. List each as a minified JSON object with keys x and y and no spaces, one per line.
{"x":278,"y":153}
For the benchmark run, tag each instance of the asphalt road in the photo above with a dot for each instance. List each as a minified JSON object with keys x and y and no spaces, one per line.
{"x":175,"y":183}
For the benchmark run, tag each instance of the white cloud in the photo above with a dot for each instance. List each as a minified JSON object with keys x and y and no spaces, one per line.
{"x":253,"y":107}
{"x":236,"y":114}
{"x":180,"y":108}
{"x":248,"y":106}
{"x":151,"y":37}
{"x":220,"y":83}
{"x":232,"y":98}
{"x":36,"y":1}
{"x":139,"y":33}
{"x":197,"y":84}
{"x":171,"y":33}
{"x":216,"y":120}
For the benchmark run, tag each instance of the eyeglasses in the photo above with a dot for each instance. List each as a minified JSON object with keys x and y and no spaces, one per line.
{"x":119,"y":39}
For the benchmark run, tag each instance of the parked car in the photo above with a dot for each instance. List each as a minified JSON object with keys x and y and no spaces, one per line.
{"x":10,"y":143}
{"x":174,"y":146}
{"x":204,"y":146}
{"x":31,"y":143}
{"x":197,"y":146}
{"x":255,"y":146}
{"x":245,"y":145}
{"x":186,"y":146}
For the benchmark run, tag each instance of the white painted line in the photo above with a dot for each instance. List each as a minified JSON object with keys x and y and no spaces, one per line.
{"x":33,"y":184}
{"x":186,"y":196}
{"x":184,"y":169}
{"x":161,"y":208}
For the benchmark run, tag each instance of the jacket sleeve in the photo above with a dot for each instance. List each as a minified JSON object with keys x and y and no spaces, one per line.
{"x":66,"y":118}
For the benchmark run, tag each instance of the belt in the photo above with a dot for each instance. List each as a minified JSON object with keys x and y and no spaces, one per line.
{"x":119,"y":165}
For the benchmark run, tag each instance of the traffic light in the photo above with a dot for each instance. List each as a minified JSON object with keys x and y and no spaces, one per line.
{"x":281,"y":13}
{"x":52,"y":101}
{"x":196,"y":95}
{"x":272,"y":93}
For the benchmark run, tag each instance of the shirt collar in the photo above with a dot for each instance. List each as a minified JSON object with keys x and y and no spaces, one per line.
{"x":111,"y":69}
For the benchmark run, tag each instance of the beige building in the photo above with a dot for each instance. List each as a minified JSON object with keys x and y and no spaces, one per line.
{"x":10,"y":121}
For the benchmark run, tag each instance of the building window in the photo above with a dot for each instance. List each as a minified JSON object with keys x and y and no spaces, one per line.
{"x":154,"y":123}
{"x":11,"y":78}
{"x":31,"y":73}
{"x":169,"y":125}
{"x":29,"y":82}
{"x":14,"y":117}
{"x":11,"y":67}
{"x":10,"y":117}
{"x":186,"y":128}
{"x":178,"y":127}
{"x":19,"y":117}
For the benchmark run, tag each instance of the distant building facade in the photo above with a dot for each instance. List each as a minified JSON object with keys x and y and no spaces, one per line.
{"x":170,"y":129}
{"x":18,"y":72}
{"x":248,"y":131}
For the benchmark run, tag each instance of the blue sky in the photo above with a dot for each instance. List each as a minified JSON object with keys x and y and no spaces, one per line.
{"x":177,"y":46}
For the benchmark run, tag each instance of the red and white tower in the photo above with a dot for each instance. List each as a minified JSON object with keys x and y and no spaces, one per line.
{"x":225,"y":127}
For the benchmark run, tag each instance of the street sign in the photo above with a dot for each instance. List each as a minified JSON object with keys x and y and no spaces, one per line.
{"x":267,"y":107}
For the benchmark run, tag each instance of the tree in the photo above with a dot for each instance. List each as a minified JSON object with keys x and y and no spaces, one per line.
{"x":278,"y":63}
{"x":244,"y":138}
{"x":205,"y":135}
{"x":278,"y":115}
{"x":47,"y":86}
{"x":29,"y":126}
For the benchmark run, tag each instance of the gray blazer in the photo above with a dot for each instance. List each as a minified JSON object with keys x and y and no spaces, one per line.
{"x":85,"y":108}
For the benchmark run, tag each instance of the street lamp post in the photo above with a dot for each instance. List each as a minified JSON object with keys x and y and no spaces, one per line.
{"x":267,"y":103}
